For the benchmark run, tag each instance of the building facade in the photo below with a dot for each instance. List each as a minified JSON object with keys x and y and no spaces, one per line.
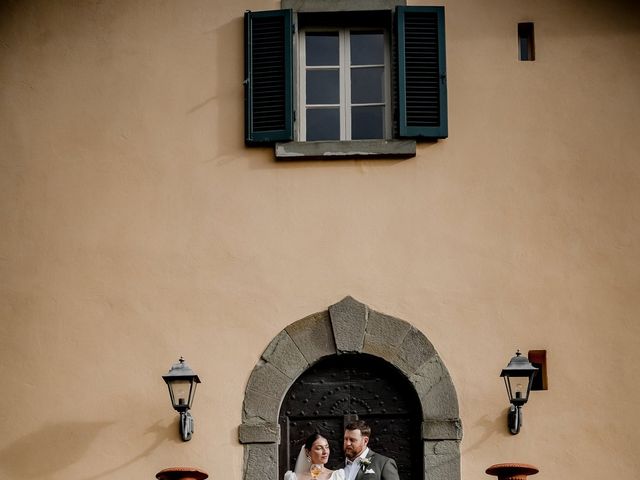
{"x":141,"y":222}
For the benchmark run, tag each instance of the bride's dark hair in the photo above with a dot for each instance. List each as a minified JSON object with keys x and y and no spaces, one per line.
{"x":308,"y":443}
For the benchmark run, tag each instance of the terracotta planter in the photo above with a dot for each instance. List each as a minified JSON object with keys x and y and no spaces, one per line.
{"x":182,"y":473}
{"x":512,"y":471}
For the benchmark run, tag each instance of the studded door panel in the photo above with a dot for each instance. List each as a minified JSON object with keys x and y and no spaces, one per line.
{"x":345,"y":387}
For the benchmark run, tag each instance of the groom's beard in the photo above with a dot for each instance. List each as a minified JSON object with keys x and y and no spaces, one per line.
{"x":351,"y":454}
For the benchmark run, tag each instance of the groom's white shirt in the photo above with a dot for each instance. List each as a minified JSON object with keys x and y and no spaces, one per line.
{"x":351,"y":468}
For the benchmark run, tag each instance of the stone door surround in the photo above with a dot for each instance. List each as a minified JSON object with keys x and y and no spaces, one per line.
{"x":350,"y":327}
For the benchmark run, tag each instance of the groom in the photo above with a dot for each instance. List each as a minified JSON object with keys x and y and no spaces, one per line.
{"x":362,"y":463}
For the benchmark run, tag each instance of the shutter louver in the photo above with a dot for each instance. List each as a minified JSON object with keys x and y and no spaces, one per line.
{"x":422,"y":73}
{"x":268,"y":84}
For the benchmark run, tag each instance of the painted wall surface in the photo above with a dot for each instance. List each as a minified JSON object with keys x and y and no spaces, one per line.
{"x":136,"y":227}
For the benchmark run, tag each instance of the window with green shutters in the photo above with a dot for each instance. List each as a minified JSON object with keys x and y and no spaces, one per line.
{"x":353,"y":87}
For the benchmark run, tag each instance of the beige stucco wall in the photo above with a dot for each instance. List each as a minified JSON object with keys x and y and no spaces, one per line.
{"x":135,"y":227}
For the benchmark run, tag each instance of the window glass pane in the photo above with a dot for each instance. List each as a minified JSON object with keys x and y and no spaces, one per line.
{"x":322,"y":48}
{"x":323,"y":124}
{"x":367,"y":48}
{"x":367,"y":122}
{"x":367,"y":85}
{"x":323,"y":87}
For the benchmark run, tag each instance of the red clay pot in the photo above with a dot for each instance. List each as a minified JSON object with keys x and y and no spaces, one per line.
{"x":182,"y":473}
{"x":512,"y":471}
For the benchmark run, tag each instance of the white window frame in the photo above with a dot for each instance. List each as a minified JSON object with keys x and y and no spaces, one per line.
{"x":344,"y":69}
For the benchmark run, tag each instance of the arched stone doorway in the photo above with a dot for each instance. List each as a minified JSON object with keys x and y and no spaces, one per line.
{"x":350,"y":327}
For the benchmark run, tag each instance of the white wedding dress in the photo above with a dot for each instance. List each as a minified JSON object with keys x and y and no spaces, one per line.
{"x":335,"y":475}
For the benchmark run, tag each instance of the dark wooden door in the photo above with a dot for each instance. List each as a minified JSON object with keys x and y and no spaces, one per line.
{"x":342,"y":388}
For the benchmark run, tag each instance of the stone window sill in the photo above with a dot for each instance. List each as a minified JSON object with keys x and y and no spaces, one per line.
{"x":354,"y":149}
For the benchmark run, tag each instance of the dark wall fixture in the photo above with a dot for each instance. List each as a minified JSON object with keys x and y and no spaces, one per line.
{"x":526,"y":43}
{"x":538,"y":359}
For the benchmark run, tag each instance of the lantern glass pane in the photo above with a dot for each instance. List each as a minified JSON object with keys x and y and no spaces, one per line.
{"x":193,"y":393}
{"x":180,"y":389}
{"x":519,"y":387}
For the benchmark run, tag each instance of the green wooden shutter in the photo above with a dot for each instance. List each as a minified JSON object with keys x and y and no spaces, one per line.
{"x":268,"y":77}
{"x":422,"y":77}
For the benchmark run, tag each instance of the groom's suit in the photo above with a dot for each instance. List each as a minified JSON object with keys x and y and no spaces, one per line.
{"x":384,"y":468}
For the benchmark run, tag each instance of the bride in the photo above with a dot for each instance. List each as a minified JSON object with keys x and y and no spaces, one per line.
{"x":314,"y":453}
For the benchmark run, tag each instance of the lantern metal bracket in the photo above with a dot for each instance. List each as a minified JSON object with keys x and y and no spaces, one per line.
{"x":186,"y":425}
{"x":514,"y":419}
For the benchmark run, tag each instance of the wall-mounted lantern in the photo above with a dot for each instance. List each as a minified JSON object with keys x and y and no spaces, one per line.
{"x":182,"y":382}
{"x":518,"y":377}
